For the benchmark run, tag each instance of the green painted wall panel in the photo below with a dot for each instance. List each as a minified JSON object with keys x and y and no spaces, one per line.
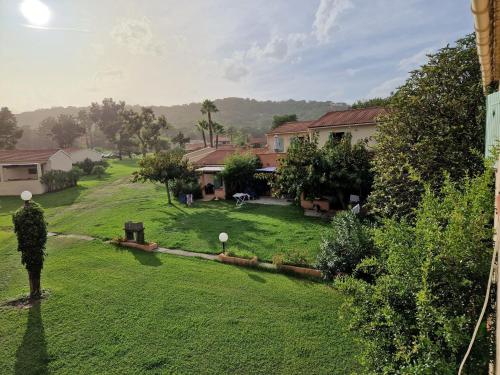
{"x":492,"y":121}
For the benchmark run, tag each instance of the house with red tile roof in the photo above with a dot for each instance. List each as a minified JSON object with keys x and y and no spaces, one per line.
{"x":22,"y":170}
{"x":359,"y":123}
{"x":209,"y":163}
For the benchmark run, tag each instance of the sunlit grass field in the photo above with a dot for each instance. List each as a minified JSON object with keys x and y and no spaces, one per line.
{"x":118,"y":311}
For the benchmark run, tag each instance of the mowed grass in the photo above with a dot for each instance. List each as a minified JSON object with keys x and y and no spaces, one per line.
{"x":100,"y":208}
{"x":113,"y":311}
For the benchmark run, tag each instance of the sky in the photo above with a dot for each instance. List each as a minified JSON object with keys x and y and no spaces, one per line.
{"x":165,"y":52}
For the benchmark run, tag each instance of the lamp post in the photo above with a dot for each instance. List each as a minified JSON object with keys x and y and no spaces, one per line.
{"x":223,"y":237}
{"x":26,"y":197}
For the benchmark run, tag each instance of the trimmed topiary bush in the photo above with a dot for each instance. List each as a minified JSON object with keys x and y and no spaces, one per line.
{"x":31,"y":230}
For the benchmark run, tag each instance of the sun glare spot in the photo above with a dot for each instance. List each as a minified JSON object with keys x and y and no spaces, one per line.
{"x":35,"y":12}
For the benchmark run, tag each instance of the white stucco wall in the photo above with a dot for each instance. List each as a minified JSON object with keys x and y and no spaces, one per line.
{"x":60,"y":161}
{"x":78,"y":156}
{"x":358,"y":132}
{"x":287,"y":139}
{"x":17,"y":187}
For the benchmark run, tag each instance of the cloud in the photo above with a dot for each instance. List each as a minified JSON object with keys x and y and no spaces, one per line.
{"x":235,"y":71}
{"x":136,"y":34}
{"x":414,"y":61}
{"x":385,"y":88}
{"x":326,"y":17}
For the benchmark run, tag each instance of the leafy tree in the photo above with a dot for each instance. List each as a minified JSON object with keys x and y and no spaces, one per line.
{"x":239,"y":171}
{"x":300,"y":170}
{"x":145,"y":126}
{"x":86,"y":123}
{"x":180,"y":139}
{"x":337,"y":170}
{"x":281,"y":119}
{"x":63,"y":130}
{"x":218,"y":130}
{"x":9,"y":131}
{"x":373,"y":102}
{"x":201,"y":126}
{"x":435,"y":125}
{"x":345,"y":170}
{"x":418,"y":314}
{"x":109,"y":119}
{"x":208,"y":107}
{"x":31,"y":230}
{"x":163,"y":167}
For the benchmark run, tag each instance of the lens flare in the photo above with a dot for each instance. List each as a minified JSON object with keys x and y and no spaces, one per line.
{"x":35,"y":12}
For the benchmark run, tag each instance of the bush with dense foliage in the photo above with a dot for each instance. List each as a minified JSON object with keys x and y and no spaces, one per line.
{"x":188,"y":184}
{"x":58,"y":180}
{"x":87,"y":165}
{"x":337,"y":170}
{"x":418,"y":314}
{"x":239,"y":172}
{"x":31,"y":230}
{"x":99,"y":171}
{"x":344,"y":246}
{"x":435,"y":125}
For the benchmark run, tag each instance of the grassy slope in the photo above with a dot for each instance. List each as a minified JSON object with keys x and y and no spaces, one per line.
{"x":100,"y":209}
{"x":121,"y":311}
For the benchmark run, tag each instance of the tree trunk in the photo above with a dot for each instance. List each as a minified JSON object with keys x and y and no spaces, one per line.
{"x":210,"y":130}
{"x":204,"y":138}
{"x":168,"y":194}
{"x":216,"y":140}
{"x":34,"y":279}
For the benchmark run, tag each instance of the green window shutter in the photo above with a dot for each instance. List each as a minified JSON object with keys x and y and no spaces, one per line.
{"x":492,"y":122}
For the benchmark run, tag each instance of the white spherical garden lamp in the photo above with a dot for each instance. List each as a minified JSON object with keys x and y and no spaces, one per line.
{"x":26,"y":196}
{"x":223,"y":237}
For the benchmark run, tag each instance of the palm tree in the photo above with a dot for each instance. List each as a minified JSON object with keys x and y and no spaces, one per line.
{"x":202,"y":125}
{"x":208,"y":107}
{"x":218,"y":130}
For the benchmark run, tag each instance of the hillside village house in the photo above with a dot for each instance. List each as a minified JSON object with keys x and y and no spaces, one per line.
{"x":22,"y":169}
{"x":209,"y":163}
{"x":360,"y":123}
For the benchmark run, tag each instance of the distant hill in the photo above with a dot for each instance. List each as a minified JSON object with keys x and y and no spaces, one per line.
{"x":251,"y":115}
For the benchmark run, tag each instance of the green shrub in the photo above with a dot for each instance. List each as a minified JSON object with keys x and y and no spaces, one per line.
{"x":99,"y":171}
{"x":189,"y":185}
{"x":417,"y":315}
{"x":58,"y":180}
{"x":87,"y":165}
{"x":343,"y":247}
{"x":239,"y":171}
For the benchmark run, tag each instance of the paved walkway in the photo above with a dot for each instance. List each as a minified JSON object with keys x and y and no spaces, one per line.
{"x":270,"y":201}
{"x":163,"y":250}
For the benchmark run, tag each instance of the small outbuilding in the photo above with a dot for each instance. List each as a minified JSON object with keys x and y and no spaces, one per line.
{"x":23,"y":169}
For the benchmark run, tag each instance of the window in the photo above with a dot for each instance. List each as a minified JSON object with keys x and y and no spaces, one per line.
{"x":32,"y":171}
{"x":217,"y":181}
{"x":337,"y":137}
{"x":278,"y":144}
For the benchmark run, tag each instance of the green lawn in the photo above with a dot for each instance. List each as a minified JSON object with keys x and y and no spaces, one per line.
{"x":99,"y":208}
{"x":119,"y":311}
{"x":123,"y":311}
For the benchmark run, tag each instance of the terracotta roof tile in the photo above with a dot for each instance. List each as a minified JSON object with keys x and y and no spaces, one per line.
{"x":291,"y":127}
{"x":25,"y":156}
{"x":349,"y":117}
